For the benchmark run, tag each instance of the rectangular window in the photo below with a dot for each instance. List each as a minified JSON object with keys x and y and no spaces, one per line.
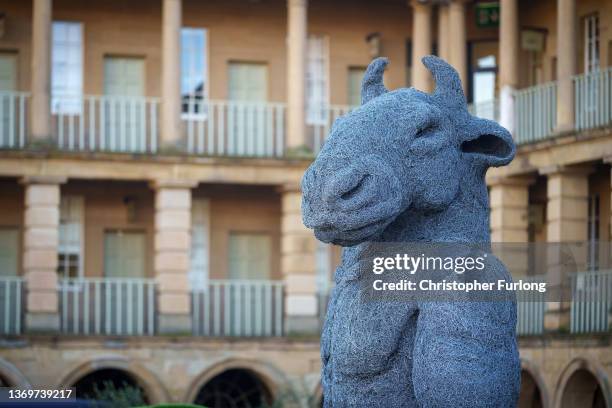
{"x":124,"y":254}
{"x":66,"y":68}
{"x":249,"y":255}
{"x":70,"y":249}
{"x":124,"y":76}
{"x":9,"y":251}
{"x":317,"y":82}
{"x":194,"y":70}
{"x":248,"y":82}
{"x":8,"y":71}
{"x":593,"y":231}
{"x":355,"y":75}
{"x":200,"y":238}
{"x":591,"y":42}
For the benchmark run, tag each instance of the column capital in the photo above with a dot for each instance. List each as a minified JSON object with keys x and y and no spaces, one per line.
{"x":43,"y":180}
{"x":579,"y":170}
{"x":297,"y":3}
{"x":419,"y":3}
{"x":511,"y":181}
{"x":289,"y":188}
{"x":173,"y":183}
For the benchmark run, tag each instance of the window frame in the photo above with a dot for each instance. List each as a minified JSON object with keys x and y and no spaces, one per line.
{"x":322,"y":118}
{"x":68,"y":106}
{"x":205,"y":76}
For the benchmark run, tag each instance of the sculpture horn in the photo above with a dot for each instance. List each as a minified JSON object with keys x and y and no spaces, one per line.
{"x":449,"y":91}
{"x":372,"y":83}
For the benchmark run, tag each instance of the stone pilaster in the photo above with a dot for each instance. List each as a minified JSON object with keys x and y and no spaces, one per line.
{"x":443,"y":39}
{"x":508,"y":61}
{"x":171,"y":74}
{"x":40,"y":117}
{"x":421,"y":44}
{"x":298,"y":264}
{"x":566,"y":63}
{"x":566,"y":218}
{"x":40,"y":246}
{"x":297,"y":11}
{"x":457,"y":35}
{"x":171,"y":262}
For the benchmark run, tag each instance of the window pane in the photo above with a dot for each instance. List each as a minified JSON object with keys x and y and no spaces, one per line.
{"x":66,"y":68}
{"x":355,"y":75}
{"x":248,"y":81}
{"x":124,"y":254}
{"x":249,"y":256}
{"x":317,"y":81}
{"x":9,"y":250}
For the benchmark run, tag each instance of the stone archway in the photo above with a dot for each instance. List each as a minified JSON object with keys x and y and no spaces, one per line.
{"x":116,"y":367}
{"x":531,"y":395}
{"x":242,"y":377}
{"x":583,"y":384}
{"x":10,"y":376}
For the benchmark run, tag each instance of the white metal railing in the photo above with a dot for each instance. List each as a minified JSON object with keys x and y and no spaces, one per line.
{"x":11,"y":300}
{"x":591,"y":305}
{"x":531,"y":308}
{"x":13,"y":119}
{"x":593,"y":99}
{"x":486,"y":109}
{"x":535,"y":112}
{"x":319,"y":125}
{"x":107,"y":306}
{"x":238,"y":308}
{"x":107,"y":123}
{"x":233,"y":128}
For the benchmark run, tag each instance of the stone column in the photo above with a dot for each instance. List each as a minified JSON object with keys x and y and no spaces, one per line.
{"x":296,"y":73}
{"x":566,"y":63}
{"x":171,"y":74}
{"x":298,"y":264}
{"x":508,"y":61}
{"x":172,"y":254}
{"x":509,"y":202}
{"x":421,"y":44}
{"x":457,"y":39}
{"x":443,"y":51}
{"x":40,"y":117}
{"x":40,"y":246}
{"x":567,"y":222}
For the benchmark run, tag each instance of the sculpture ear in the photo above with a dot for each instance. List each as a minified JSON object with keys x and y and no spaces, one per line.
{"x":372,"y":83}
{"x":488,"y":143}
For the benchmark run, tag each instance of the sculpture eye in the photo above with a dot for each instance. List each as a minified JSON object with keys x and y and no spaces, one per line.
{"x":425,"y":131}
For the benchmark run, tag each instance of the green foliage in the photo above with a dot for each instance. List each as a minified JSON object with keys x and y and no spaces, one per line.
{"x":125,"y":396}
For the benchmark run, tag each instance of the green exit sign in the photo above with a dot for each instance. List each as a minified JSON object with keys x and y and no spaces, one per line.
{"x":487,"y":14}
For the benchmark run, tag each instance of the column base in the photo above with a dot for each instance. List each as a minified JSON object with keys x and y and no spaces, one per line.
{"x":173,"y":147}
{"x":174,"y":324}
{"x":302,"y":325}
{"x":42,"y":322}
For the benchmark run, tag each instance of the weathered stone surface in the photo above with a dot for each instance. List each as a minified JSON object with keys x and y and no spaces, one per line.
{"x":407,"y":166}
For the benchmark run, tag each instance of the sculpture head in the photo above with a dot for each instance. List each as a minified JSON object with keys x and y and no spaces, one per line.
{"x":400,"y":151}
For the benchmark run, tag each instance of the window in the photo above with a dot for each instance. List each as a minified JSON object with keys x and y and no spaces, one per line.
{"x":200,"y":230}
{"x":9,"y":251}
{"x":70,"y":259}
{"x":591,"y":43}
{"x":355,"y":75}
{"x":194,"y":70}
{"x":249,"y":255}
{"x":124,"y":76}
{"x":317,"y":83}
{"x":8,"y":71}
{"x":248,"y":81}
{"x":124,"y":254}
{"x":66,"y":68}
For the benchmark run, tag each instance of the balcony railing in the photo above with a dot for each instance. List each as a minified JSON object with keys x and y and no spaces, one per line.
{"x":11,"y":302}
{"x":245,"y":308}
{"x":107,"y":306}
{"x":535,"y":113}
{"x":13,"y":119}
{"x":531,"y":308}
{"x":228,"y":128}
{"x":319,"y":123}
{"x":593,"y":99}
{"x":106,"y":123}
{"x":591,"y":305}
